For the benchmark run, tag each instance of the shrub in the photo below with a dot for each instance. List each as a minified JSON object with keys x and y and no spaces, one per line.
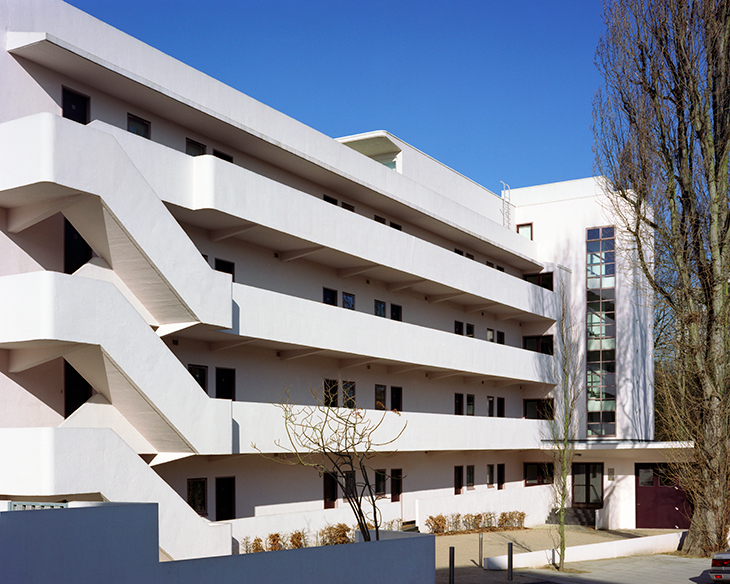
{"x":257,"y":546}
{"x":297,"y":539}
{"x":335,"y":534}
{"x":455,"y":522}
{"x":436,"y":524}
{"x":512,"y":519}
{"x":274,"y":542}
{"x":245,"y":545}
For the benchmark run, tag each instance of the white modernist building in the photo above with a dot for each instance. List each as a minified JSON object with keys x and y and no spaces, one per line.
{"x":175,"y":255}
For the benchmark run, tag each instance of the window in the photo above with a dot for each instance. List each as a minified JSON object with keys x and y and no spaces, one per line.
{"x":470,"y":476}
{"x":490,"y":475}
{"x":348,"y":301}
{"x":329,"y":199}
{"x":198,"y":496}
{"x":459,"y":404}
{"x":200,"y":374}
{"x":539,"y":409}
{"x":396,"y":484}
{"x":469,"y":330}
{"x":396,"y":312}
{"x":500,"y":476}
{"x":499,"y":268}
{"x":194,"y":148}
{"x":490,"y":335}
{"x":396,"y":399}
{"x":500,"y":407}
{"x":490,"y":406}
{"x":588,"y":485}
{"x":458,"y":252}
{"x":330,"y":490}
{"x":458,"y":480}
{"x":348,"y":394}
{"x":225,"y":383}
{"x":222,"y":155}
{"x":380,"y":219}
{"x":138,"y":126}
{"x":380,"y":308}
{"x":348,"y":207}
{"x":469,"y":404}
{"x":544,"y":280}
{"x":525,"y":230}
{"x":469,"y":256}
{"x":225,"y":266}
{"x":225,"y":498}
{"x":331,"y":389}
{"x":538,"y":344}
{"x":490,"y":264}
{"x":500,"y":338}
{"x":380,"y":397}
{"x":350,"y":484}
{"x":329,"y":296}
{"x":396,"y":226}
{"x":75,"y":106}
{"x":458,"y":327}
{"x":380,"y":477}
{"x":538,"y":473}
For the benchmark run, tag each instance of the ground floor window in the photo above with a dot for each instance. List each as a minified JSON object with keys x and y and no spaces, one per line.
{"x":588,"y":485}
{"x":198,"y":495}
{"x":538,"y":473}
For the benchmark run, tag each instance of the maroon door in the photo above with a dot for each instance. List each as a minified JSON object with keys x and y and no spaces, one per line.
{"x":660,"y":504}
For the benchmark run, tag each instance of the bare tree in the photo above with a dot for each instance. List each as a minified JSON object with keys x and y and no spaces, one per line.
{"x":662,"y":128}
{"x":338,"y":442}
{"x":563,"y":427}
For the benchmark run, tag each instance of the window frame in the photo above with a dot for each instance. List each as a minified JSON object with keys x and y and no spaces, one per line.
{"x":330,"y":393}
{"x":330,"y":292}
{"x":140,"y":121}
{"x":348,"y":301}
{"x":204,"y":370}
{"x":199,"y":146}
{"x":203,"y":510}
{"x":544,"y":473}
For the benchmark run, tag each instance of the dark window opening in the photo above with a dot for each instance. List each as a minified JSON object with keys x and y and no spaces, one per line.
{"x":469,"y":256}
{"x":331,"y":389}
{"x":75,"y":106}
{"x":350,"y":484}
{"x":539,"y":344}
{"x":380,"y":308}
{"x":490,"y":406}
{"x":500,"y":476}
{"x":544,"y":280}
{"x":348,"y":301}
{"x":396,"y":399}
{"x":469,"y":404}
{"x":396,"y":484}
{"x":500,"y":407}
{"x":380,"y":219}
{"x":539,"y":409}
{"x":330,"y":490}
{"x":459,"y":404}
{"x":348,"y":207}
{"x":490,"y":475}
{"x":194,"y":148}
{"x":225,"y":266}
{"x":470,"y":476}
{"x":225,"y":383}
{"x":329,"y":199}
{"x":198,"y":496}
{"x":396,"y":312}
{"x":225,"y":498}
{"x":458,"y":327}
{"x":348,"y":394}
{"x":469,"y":330}
{"x":380,"y":397}
{"x":380,"y":479}
{"x":138,"y":126}
{"x":200,"y":374}
{"x":222,"y":155}
{"x":500,"y":338}
{"x":538,"y":473}
{"x":459,"y":252}
{"x":329,"y":296}
{"x":458,"y":479}
{"x":396,"y":226}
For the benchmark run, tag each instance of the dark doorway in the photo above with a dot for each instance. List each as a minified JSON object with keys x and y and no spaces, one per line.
{"x":396,"y":399}
{"x":500,"y":476}
{"x":76,"y":390}
{"x":500,"y":407}
{"x":588,"y":485}
{"x":76,"y":252}
{"x":458,"y":479}
{"x":396,"y":484}
{"x":660,"y":503}
{"x":75,"y":106}
{"x":330,"y":491}
{"x":225,"y":383}
{"x":225,"y":498}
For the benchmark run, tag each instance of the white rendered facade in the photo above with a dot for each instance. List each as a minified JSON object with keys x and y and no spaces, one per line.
{"x":149,"y":307}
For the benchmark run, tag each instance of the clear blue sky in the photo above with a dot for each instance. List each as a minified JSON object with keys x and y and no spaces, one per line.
{"x":497,"y":90}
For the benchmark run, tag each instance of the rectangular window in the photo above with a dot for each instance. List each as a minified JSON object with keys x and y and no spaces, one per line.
{"x":500,"y":338}
{"x":458,"y":480}
{"x":490,"y":335}
{"x":380,"y":219}
{"x":538,"y":409}
{"x":200,"y":374}
{"x":194,"y":148}
{"x":525,"y":230}
{"x":490,"y":264}
{"x":222,"y":155}
{"x":198,"y":496}
{"x":588,"y":485}
{"x":138,"y":126}
{"x":225,"y":266}
{"x":538,"y":473}
{"x":331,"y":389}
{"x":350,"y":484}
{"x":380,"y":397}
{"x":225,"y":498}
{"x":328,"y":199}
{"x":329,"y":296}
{"x":490,"y":475}
{"x":544,"y":280}
{"x":500,"y":407}
{"x":396,"y":226}
{"x":225,"y":383}
{"x":470,"y":476}
{"x":499,"y":268}
{"x":348,"y":207}
{"x":380,"y":477}
{"x":459,"y":404}
{"x":348,"y":394}
{"x":380,"y":308}
{"x":330,"y":490}
{"x":500,"y":476}
{"x":539,"y":344}
{"x":469,"y":404}
{"x":75,"y":106}
{"x":458,"y":252}
{"x":396,"y":484}
{"x":490,"y":406}
{"x":396,"y":399}
{"x":348,"y":301}
{"x":469,"y":256}
{"x":469,"y":330}
{"x":458,"y":327}
{"x":396,"y":312}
